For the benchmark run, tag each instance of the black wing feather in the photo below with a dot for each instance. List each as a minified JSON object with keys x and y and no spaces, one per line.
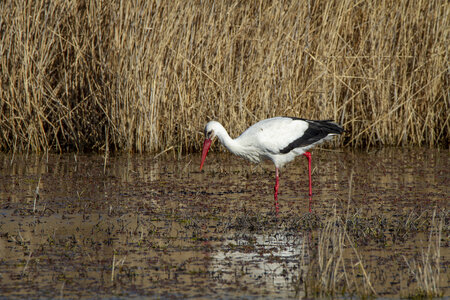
{"x":317,"y":130}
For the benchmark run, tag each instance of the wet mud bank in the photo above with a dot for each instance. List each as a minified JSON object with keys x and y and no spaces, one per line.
{"x":72,"y":226}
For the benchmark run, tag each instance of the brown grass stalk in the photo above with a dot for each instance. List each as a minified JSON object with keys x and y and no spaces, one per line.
{"x":426,"y":270}
{"x":150,"y":74}
{"x":328,"y":271}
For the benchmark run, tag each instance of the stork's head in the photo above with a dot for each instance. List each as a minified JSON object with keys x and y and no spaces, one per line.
{"x":210,"y":133}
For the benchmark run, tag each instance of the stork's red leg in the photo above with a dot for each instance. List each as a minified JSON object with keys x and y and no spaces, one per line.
{"x":308,"y":156}
{"x":275,"y":195}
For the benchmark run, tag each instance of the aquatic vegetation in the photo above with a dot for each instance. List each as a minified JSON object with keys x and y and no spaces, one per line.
{"x":144,"y":228}
{"x":427,"y":268}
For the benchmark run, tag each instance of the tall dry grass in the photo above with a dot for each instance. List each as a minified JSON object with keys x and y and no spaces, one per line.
{"x":147,"y":75}
{"x":330,"y":272}
{"x":426,"y":270}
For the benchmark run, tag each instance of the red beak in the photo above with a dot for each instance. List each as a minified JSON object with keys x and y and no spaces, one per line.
{"x":206,"y":146}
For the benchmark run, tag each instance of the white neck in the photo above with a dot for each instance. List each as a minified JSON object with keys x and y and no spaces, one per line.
{"x":235,"y":146}
{"x":231,"y":144}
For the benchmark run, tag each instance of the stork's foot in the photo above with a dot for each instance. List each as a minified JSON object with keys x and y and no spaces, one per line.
{"x":310,"y":203}
{"x":277,"y":209}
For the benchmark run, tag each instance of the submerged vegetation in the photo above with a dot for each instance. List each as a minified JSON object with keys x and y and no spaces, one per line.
{"x":156,"y":227}
{"x":147,"y":75}
{"x":162,"y":252}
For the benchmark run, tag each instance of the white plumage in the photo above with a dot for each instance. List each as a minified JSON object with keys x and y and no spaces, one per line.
{"x":278,"y":139}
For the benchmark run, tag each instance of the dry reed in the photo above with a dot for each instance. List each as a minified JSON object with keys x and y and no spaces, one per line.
{"x":147,"y":75}
{"x":426,"y":270}
{"x":329,"y":273}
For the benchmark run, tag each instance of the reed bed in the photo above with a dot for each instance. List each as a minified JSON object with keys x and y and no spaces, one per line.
{"x":426,"y":270}
{"x":337,"y":264}
{"x":329,"y":274}
{"x":147,"y":75}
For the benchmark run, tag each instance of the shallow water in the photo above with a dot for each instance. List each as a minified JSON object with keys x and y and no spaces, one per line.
{"x":72,"y":226}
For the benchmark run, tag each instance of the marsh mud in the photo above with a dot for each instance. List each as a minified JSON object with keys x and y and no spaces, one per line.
{"x":135,"y":225}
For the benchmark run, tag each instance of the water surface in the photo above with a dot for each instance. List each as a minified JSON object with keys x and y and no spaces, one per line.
{"x":71,"y":225}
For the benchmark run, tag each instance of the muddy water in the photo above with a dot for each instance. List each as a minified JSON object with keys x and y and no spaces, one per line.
{"x":72,"y":226}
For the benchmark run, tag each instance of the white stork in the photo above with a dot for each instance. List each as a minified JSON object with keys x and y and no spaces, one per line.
{"x":278,"y":139}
